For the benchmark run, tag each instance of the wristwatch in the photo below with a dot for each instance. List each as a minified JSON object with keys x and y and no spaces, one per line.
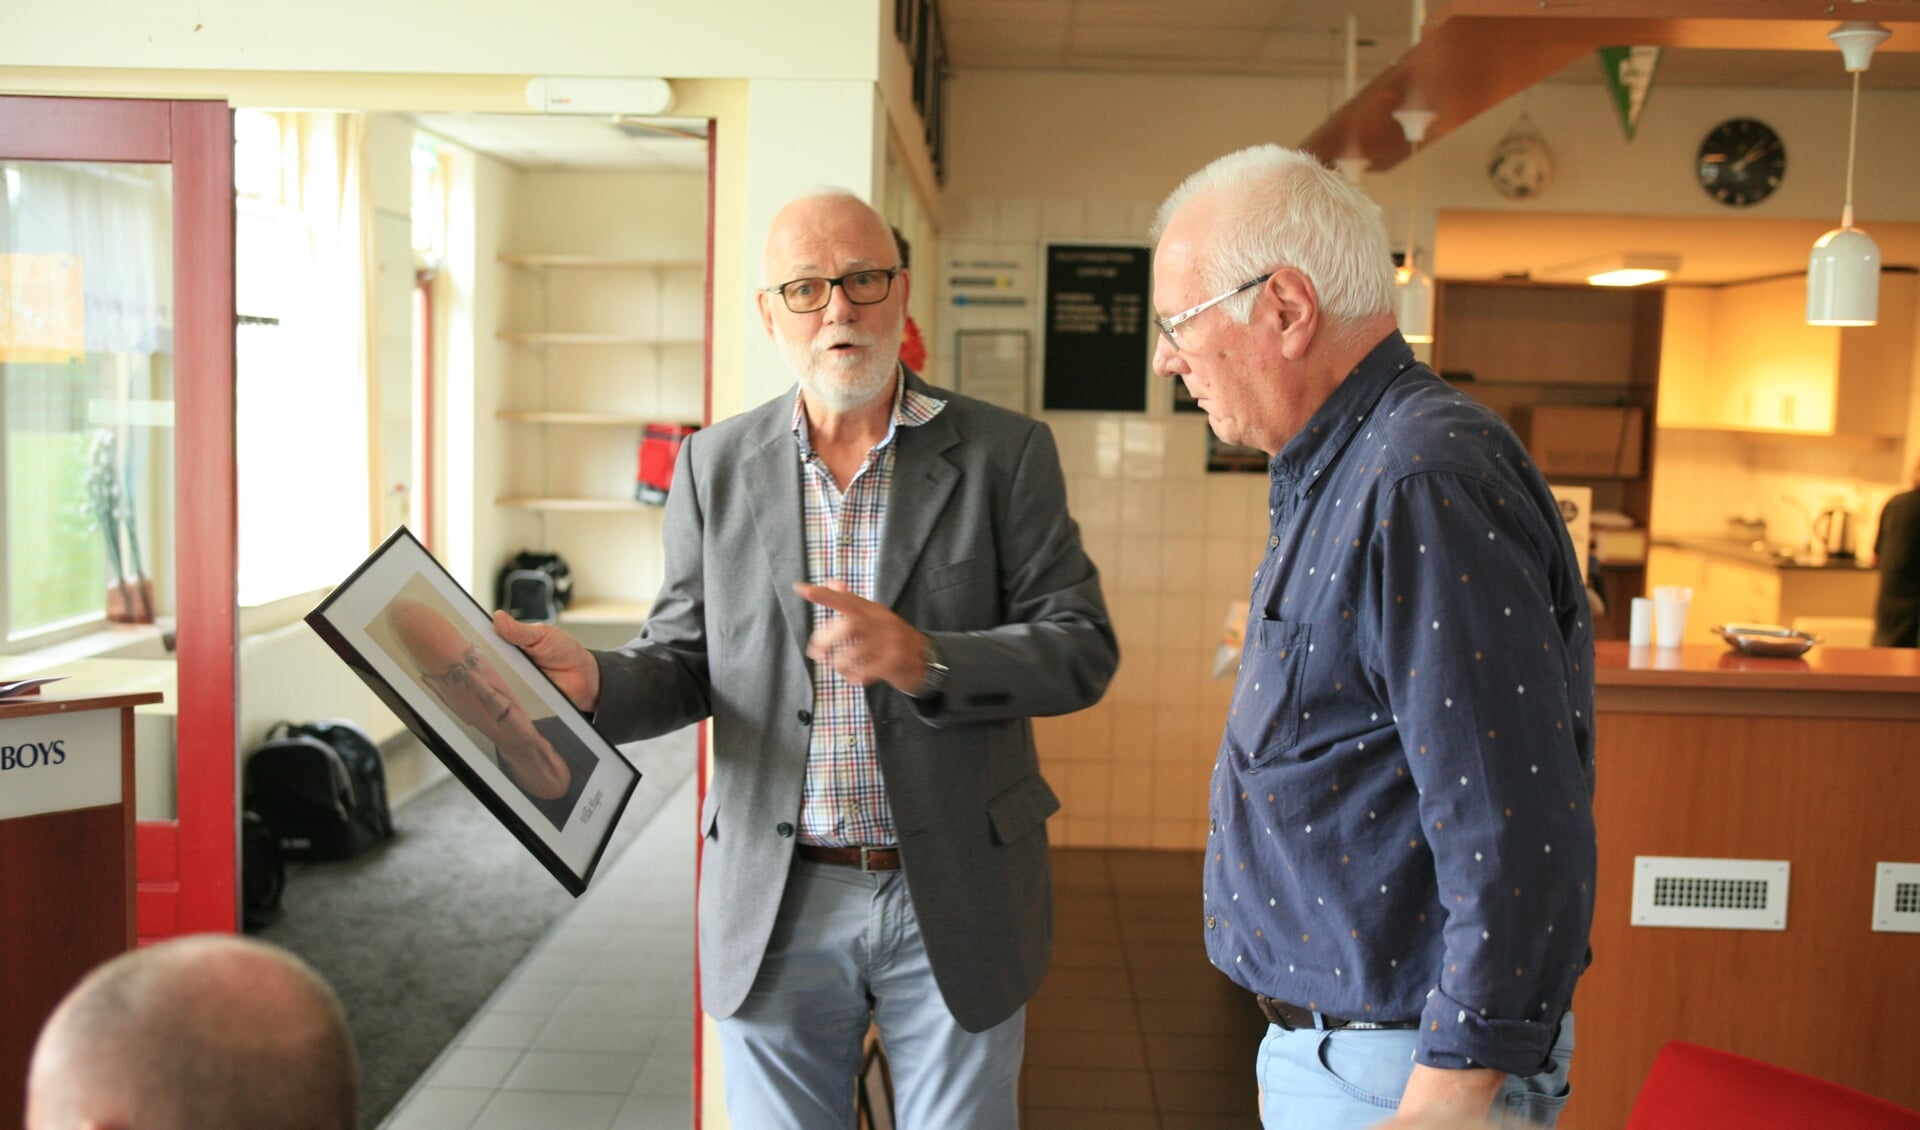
{"x":937,"y":672}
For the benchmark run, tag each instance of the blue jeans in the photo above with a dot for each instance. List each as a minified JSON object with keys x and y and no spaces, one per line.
{"x":1317,"y":1080}
{"x":847,"y":946}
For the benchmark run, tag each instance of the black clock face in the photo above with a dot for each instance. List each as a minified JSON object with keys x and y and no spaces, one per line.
{"x":1741,"y":162}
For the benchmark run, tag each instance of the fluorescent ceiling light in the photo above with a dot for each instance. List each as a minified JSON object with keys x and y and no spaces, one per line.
{"x":1623,"y":268}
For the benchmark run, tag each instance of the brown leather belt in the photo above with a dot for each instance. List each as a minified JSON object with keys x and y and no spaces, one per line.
{"x":1292,"y":1018}
{"x":865,"y":858}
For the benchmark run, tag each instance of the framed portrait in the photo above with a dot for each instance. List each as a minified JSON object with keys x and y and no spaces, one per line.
{"x":428,"y":649}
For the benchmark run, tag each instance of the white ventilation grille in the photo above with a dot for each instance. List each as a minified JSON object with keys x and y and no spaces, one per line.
{"x":1722,"y":894}
{"x":1896,"y":897}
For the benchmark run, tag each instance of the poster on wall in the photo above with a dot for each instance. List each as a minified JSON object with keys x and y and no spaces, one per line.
{"x":422,"y":644}
{"x":991,"y":365}
{"x":1095,"y":355}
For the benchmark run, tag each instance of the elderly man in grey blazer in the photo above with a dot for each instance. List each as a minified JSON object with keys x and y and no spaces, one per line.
{"x":871,"y":586}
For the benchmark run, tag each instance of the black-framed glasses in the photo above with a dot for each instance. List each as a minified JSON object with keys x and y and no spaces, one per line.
{"x":1173,"y":322}
{"x":460,"y":677}
{"x":862,"y":288}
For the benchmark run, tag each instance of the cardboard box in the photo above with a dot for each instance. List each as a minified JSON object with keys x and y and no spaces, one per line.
{"x":1591,"y":443}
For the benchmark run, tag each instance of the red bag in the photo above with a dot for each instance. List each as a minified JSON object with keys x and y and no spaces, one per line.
{"x":659,"y":450}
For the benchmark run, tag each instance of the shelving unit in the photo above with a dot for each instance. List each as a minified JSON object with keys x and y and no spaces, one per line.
{"x":1517,"y":345}
{"x":604,"y":346}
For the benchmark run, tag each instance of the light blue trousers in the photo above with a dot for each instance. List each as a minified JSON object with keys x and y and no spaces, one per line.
{"x":847,"y":947}
{"x":1318,"y":1080}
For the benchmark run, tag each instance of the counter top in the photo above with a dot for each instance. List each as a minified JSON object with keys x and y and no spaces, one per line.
{"x":1745,"y":552}
{"x":1703,"y":678}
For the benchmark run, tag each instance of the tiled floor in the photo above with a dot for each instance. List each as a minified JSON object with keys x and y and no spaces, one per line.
{"x":594,"y":1030}
{"x":1133,"y":1030}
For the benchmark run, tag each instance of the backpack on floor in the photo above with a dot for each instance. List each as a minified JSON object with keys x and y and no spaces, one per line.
{"x":322,"y":788}
{"x":263,"y":873}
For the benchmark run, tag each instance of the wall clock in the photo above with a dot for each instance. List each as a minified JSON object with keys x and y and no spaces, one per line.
{"x":1521,"y":164}
{"x":1741,"y":162}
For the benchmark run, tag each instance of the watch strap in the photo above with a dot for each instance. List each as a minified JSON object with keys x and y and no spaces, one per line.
{"x":937,"y":673}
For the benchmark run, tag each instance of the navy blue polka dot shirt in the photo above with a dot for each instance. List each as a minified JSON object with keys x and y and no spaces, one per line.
{"x":1400,"y":813}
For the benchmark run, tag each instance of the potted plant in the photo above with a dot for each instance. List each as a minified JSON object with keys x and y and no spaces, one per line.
{"x":129,"y":590}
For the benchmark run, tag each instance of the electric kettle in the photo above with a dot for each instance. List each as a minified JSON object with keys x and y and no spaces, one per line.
{"x":1834,"y":529}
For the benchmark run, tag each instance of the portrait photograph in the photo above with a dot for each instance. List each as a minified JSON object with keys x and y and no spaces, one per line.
{"x":428,"y":649}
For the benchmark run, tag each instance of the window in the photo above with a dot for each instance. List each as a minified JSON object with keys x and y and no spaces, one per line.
{"x":300,"y":361}
{"x":86,"y":312}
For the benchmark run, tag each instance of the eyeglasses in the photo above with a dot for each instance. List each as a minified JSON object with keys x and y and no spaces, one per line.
{"x":862,"y":288}
{"x":1169,"y":324}
{"x":460,"y":677}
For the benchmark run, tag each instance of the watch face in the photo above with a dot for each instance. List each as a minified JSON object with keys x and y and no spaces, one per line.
{"x":1741,"y":162}
{"x":1520,"y":167}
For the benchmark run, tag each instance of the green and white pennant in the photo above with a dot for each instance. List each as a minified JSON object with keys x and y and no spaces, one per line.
{"x":1629,"y":74}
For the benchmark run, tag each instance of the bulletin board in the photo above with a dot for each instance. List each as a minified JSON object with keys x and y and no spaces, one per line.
{"x":991,"y":365}
{"x":1095,"y":352}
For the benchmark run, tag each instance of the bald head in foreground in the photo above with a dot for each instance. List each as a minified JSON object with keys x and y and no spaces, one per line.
{"x":199,"y":1033}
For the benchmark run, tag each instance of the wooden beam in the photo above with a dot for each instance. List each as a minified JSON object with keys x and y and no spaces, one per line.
{"x":1475,"y":54}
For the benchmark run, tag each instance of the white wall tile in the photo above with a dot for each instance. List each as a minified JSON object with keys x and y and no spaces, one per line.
{"x":1017,"y":219}
{"x":1062,"y":220}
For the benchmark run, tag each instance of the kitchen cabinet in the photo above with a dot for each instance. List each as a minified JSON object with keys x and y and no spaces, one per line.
{"x":604,"y":346}
{"x":1741,"y":357}
{"x":1520,"y":347}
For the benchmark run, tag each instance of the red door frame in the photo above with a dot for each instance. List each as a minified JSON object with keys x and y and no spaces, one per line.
{"x":187,"y":867}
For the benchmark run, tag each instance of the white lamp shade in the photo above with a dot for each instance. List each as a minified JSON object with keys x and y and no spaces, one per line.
{"x":1415,"y":305}
{"x":1843,"y":279}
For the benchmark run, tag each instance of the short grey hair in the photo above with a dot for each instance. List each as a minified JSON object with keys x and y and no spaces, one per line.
{"x":1282,"y":208}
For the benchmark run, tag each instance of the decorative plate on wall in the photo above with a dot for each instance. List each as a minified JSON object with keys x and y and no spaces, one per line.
{"x":1521,"y":163}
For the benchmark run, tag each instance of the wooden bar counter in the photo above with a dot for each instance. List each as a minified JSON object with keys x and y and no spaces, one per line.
{"x":1703,"y":752}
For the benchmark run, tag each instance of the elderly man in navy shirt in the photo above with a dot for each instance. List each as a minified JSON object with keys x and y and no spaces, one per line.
{"x":1400,"y":858}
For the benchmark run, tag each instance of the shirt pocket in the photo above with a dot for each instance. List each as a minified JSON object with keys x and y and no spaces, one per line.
{"x":1264,"y":721}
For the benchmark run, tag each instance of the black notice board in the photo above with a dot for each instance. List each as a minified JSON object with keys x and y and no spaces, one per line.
{"x":1097,"y":326}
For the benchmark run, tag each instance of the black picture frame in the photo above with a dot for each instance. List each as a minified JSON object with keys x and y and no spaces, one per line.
{"x":567,"y":833}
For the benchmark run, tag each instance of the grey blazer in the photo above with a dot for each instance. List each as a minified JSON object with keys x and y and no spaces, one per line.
{"x":979,"y":553}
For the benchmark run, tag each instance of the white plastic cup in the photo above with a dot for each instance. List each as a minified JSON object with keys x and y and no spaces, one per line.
{"x":1640,"y":626}
{"x":1670,"y":613}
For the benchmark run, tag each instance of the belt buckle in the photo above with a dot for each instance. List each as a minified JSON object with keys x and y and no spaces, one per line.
{"x":864,"y":858}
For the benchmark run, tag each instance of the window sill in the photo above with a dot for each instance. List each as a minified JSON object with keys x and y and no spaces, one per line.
{"x":111,"y":641}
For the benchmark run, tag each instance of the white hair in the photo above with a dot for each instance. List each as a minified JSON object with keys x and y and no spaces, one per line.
{"x":1282,"y":208}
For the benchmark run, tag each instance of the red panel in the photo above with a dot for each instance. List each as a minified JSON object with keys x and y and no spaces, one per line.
{"x":159,"y":912}
{"x":84,"y":129}
{"x":205,"y":553}
{"x":157,"y":847}
{"x":157,"y":869}
{"x":700,"y":841}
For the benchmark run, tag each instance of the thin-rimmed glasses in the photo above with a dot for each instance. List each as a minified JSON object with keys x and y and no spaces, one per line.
{"x":1172,"y":323}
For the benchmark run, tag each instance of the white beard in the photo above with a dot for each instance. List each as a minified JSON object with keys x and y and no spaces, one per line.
{"x":834,"y":384}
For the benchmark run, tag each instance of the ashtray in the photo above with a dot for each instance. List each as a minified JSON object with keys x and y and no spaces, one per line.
{"x":1769,"y":640}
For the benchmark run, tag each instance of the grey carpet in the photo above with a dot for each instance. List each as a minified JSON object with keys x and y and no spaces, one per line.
{"x":416,"y":934}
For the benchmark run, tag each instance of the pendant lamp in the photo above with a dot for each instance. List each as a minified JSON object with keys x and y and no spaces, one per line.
{"x":1843,"y":272}
{"x":1414,"y":305}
